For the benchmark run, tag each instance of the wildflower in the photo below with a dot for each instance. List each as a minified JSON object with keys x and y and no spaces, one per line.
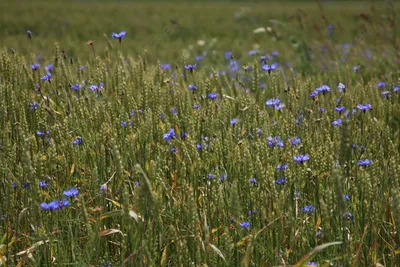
{"x":269,"y":68}
{"x":77,"y":141}
{"x":340,"y":109}
{"x":279,"y":106}
{"x":263,"y":59}
{"x":212,"y":96}
{"x":396,"y":89}
{"x":192,"y":87}
{"x":47,"y":77}
{"x":119,"y":36}
{"x":245,"y":224}
{"x":295,"y":141}
{"x":174,"y":150}
{"x":196,"y":106}
{"x":82,"y":68}
{"x":93,"y":87}
{"x":346,"y":197}
{"x":282,"y":167}
{"x":228,"y":55}
{"x":198,"y":58}
{"x":280,"y":181}
{"x":380,"y":85}
{"x":170,"y":135}
{"x":253,"y":52}
{"x":385,"y":94}
{"x":275,"y":141}
{"x":259,"y":131}
{"x":337,"y":122}
{"x":273,"y":102}
{"x":42,"y":184}
{"x":210,"y":176}
{"x":364,"y":107}
{"x":71,"y":192}
{"x":262,"y":85}
{"x":103,"y":187}
{"x":123,"y":124}
{"x":199,"y":146}
{"x":64,"y":203}
{"x":342,"y":88}
{"x":191,"y":67}
{"x":323,"y":89}
{"x":322,"y":110}
{"x":223,"y":177}
{"x":234,"y":66}
{"x":234,"y":121}
{"x":356,"y":68}
{"x":301,"y":158}
{"x":165,"y":66}
{"x":49,"y":68}
{"x":364,"y":162}
{"x":311,"y":263}
{"x":40,"y":134}
{"x":25,"y":185}
{"x":313,"y":94}
{"x":253,"y":181}
{"x":274,"y":54}
{"x":348,"y":215}
{"x":174,"y":111}
{"x":29,"y":33}
{"x":35,"y":66}
{"x":75,"y":87}
{"x":308,"y":209}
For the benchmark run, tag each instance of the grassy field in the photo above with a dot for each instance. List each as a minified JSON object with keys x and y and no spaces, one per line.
{"x":210,"y":134}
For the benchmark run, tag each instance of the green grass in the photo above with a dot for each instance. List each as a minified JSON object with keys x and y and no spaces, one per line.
{"x":139,"y":203}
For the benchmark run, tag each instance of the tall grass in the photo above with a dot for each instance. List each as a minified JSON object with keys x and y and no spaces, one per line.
{"x":177,"y":177}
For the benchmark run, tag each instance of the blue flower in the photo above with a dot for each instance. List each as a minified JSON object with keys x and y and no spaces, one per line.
{"x":348,"y":215}
{"x":337,"y":122}
{"x":280,"y":181}
{"x":342,"y":87}
{"x":282,"y":167}
{"x":323,"y":89}
{"x":228,"y":55}
{"x":234,"y":66}
{"x":381,"y":85}
{"x":279,"y":106}
{"x":174,"y":150}
{"x":275,"y":141}
{"x":40,"y":134}
{"x":295,"y":141}
{"x":275,"y":54}
{"x":192,"y":87}
{"x":165,"y":66}
{"x":269,"y":68}
{"x":71,"y":192}
{"x":35,"y":66}
{"x":49,"y":68}
{"x":273,"y":102}
{"x":253,"y":52}
{"x":301,"y":158}
{"x":42,"y":184}
{"x":29,"y":33}
{"x":364,"y":162}
{"x":191,"y":67}
{"x":212,"y":96}
{"x":198,"y":58}
{"x":340,"y":109}
{"x":118,"y":35}
{"x":34,"y":105}
{"x":346,"y":197}
{"x":308,"y":209}
{"x":245,"y":224}
{"x":197,"y":106}
{"x":385,"y":94}
{"x":93,"y":87}
{"x":211,"y":176}
{"x":234,"y":121}
{"x":253,"y":181}
{"x":311,"y":263}
{"x":124,"y":124}
{"x":364,"y":107}
{"x":313,"y":94}
{"x":396,"y":89}
{"x":322,"y":110}
{"x":77,"y":141}
{"x":170,"y":135}
{"x":47,"y":77}
{"x":75,"y":87}
{"x":199,"y":146}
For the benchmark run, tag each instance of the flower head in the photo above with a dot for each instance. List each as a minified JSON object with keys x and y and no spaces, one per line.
{"x":34,"y":105}
{"x":295,"y":141}
{"x":234,"y":121}
{"x":35,"y":66}
{"x":77,"y":141}
{"x":280,"y":181}
{"x":47,"y":77}
{"x":42,"y":184}
{"x":342,"y":87}
{"x":273,"y":102}
{"x":282,"y":167}
{"x":337,"y":122}
{"x":191,"y":67}
{"x":119,"y":36}
{"x":308,"y":209}
{"x":364,"y":162}
{"x":381,"y":85}
{"x":169,"y":135}
{"x":212,"y":96}
{"x":301,"y":158}
{"x":275,"y":141}
{"x":364,"y":107}
{"x":71,"y":192}
{"x":245,"y":224}
{"x":340,"y":109}
{"x":192,"y":87}
{"x":165,"y":66}
{"x":49,"y":68}
{"x":253,"y":181}
{"x":75,"y":87}
{"x":323,"y":89}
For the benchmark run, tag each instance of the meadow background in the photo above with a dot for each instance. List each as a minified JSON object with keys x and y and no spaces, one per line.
{"x":228,"y":133}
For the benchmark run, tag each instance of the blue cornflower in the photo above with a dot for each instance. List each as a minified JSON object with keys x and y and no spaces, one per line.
{"x":35,"y":66}
{"x":82,"y":68}
{"x":280,"y":181}
{"x":212,"y":96}
{"x":273,"y":102}
{"x":173,"y":150}
{"x":165,"y":66}
{"x":49,"y":68}
{"x":174,"y":111}
{"x":196,"y":106}
{"x":253,"y":181}
{"x":348,"y":215}
{"x":25,"y":185}
{"x":228,"y":55}
{"x":396,"y":89}
{"x":199,"y":146}
{"x":245,"y":224}
{"x":301,"y":158}
{"x":101,"y":85}
{"x":191,"y":67}
{"x":308,"y":209}
{"x":40,"y":134}
{"x":313,"y":94}
{"x":346,"y":197}
{"x":75,"y":87}
{"x":42,"y":184}
{"x":269,"y":68}
{"x":211,"y":176}
{"x":322,"y":110}
{"x":14,"y":185}
{"x":340,"y":109}
{"x":274,"y":54}
{"x":234,"y":66}
{"x":47,"y":77}
{"x":342,"y":87}
{"x":381,"y":85}
{"x":118,"y":36}
{"x":364,"y":162}
{"x":275,"y":141}
{"x":295,"y":141}
{"x":323,"y":89}
{"x":124,"y":124}
{"x":234,"y":121}
{"x":311,"y":263}
{"x":29,"y":33}
{"x":337,"y":122}
{"x":170,"y":135}
{"x":279,"y":106}
{"x":259,"y":132}
{"x":94,"y":87}
{"x":282,"y":167}
{"x":198,"y":58}
{"x":364,"y":107}
{"x":132,"y":113}
{"x":34,"y":105}
{"x":64,"y":203}
{"x":385,"y":94}
{"x":263,"y":59}
{"x":223,"y":177}
{"x":192,"y":87}
{"x":71,"y":192}
{"x":253,"y":52}
{"x":77,"y":141}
